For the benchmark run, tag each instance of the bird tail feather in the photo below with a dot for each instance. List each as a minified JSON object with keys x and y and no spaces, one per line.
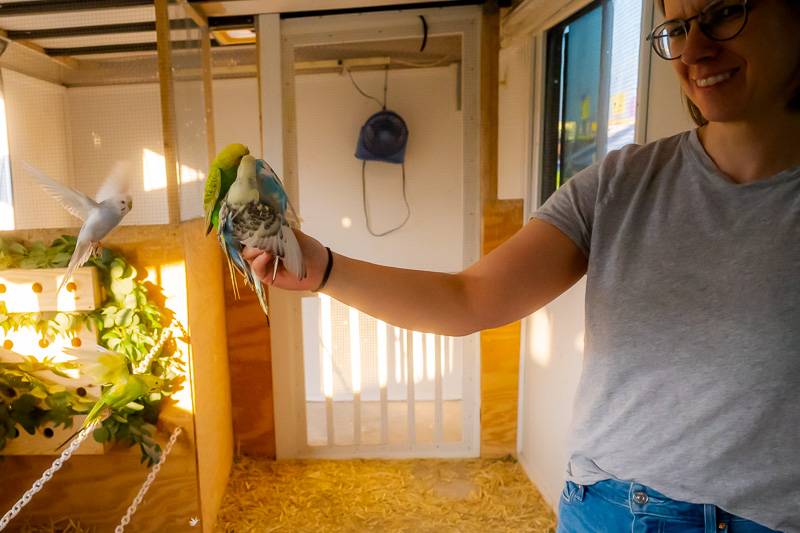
{"x":293,"y":256}
{"x":83,"y":251}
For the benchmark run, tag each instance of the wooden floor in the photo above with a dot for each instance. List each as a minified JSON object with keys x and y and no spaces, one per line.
{"x":419,"y":496}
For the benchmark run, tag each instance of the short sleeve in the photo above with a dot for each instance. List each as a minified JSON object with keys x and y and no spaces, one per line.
{"x":571,"y":208}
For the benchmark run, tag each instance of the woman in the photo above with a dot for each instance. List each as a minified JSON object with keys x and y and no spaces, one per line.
{"x":687,"y":415}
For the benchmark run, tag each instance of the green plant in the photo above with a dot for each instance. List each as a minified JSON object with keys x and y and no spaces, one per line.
{"x":129,"y":322}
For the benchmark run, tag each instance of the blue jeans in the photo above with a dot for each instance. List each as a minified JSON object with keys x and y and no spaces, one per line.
{"x":621,"y":507}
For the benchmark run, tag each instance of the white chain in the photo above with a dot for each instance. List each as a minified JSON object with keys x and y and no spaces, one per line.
{"x":147,"y":482}
{"x":78,"y":440}
{"x":48,"y":474}
{"x":166,"y":334}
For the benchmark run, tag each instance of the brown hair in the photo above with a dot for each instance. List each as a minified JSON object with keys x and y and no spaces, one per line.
{"x":792,"y":105}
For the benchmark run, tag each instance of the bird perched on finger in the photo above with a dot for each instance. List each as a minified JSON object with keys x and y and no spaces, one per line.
{"x":221,"y":176}
{"x":100,"y":216}
{"x":256,"y":212}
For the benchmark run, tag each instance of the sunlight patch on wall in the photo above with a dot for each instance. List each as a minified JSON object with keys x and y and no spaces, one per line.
{"x":540,"y":338}
{"x":155,"y":171}
{"x":173,"y":284}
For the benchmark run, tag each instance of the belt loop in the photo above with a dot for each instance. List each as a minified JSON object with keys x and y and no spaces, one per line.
{"x":710,"y":516}
{"x":579,"y":493}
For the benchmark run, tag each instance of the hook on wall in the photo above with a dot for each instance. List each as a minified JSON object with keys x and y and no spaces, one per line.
{"x":424,"y":33}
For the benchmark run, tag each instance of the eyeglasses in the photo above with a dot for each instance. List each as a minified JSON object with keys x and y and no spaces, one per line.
{"x":720,"y":20}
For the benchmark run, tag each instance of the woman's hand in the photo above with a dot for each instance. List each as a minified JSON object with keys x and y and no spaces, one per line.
{"x":315,"y":258}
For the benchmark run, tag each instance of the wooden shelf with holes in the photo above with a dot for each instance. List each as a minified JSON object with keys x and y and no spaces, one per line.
{"x":32,"y":291}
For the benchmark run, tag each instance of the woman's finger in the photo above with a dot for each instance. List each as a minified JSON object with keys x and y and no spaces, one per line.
{"x":250,"y":253}
{"x":261,"y":266}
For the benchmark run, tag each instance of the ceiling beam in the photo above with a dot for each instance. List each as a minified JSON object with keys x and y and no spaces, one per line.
{"x":117,"y":48}
{"x":42,"y":7}
{"x":102,"y":49}
{"x":215,"y":23}
{"x":215,"y":8}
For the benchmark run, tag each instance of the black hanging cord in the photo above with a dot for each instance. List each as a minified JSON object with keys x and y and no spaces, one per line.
{"x":364,"y":201}
{"x":424,"y":33}
{"x":385,"y":87}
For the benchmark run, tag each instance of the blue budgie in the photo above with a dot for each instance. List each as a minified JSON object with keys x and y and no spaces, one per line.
{"x":256,"y":212}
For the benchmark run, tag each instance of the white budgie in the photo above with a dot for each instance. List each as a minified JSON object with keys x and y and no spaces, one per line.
{"x":99,"y":217}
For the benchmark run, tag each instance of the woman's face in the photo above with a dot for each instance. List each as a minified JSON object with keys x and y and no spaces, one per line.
{"x":749,"y":77}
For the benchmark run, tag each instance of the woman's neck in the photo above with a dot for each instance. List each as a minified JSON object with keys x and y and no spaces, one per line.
{"x":751,"y":151}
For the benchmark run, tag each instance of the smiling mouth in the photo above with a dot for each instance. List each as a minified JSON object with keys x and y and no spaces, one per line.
{"x":713,"y":80}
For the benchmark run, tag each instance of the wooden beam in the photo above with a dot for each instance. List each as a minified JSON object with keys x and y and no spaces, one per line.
{"x":490,"y":52}
{"x":168,"y":127}
{"x":43,"y":7}
{"x":500,"y":219}
{"x":216,"y":8}
{"x":208,"y":93}
{"x":67,"y":62}
{"x":199,"y":18}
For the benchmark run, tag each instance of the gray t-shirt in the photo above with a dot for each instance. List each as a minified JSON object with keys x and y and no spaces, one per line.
{"x":691,"y":369}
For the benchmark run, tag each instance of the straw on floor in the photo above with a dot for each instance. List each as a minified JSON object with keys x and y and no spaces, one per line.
{"x":464,"y":496}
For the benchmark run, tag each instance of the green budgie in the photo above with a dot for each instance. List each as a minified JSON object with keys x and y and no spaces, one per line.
{"x":120,"y":387}
{"x":221,"y":176}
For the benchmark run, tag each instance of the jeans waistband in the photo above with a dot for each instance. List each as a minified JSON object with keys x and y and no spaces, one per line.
{"x":641,"y":499}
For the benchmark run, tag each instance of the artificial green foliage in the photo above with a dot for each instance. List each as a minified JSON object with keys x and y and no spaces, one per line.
{"x":129,"y":322}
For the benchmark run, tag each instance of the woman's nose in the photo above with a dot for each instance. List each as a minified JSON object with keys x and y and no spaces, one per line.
{"x":697,"y":46}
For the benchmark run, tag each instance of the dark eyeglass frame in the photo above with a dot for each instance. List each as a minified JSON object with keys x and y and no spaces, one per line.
{"x":685,"y":23}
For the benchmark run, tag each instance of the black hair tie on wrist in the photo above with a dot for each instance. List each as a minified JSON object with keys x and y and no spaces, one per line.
{"x":327,"y":271}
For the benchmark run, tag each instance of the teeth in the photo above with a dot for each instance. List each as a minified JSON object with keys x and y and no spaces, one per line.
{"x":713,"y":80}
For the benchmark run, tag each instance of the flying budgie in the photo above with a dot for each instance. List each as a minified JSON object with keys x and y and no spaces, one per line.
{"x":256,"y":212}
{"x":120,"y":387}
{"x":99,"y":217}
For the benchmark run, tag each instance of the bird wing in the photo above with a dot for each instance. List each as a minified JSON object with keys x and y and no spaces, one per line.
{"x":83,"y":251}
{"x":271,"y":189}
{"x":77,"y":203}
{"x":211,"y":192}
{"x":116,"y":182}
{"x":282,"y":243}
{"x":100,"y":363}
{"x":259,"y":226}
{"x":234,"y":258}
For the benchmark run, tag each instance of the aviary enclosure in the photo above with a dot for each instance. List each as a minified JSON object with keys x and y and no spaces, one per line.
{"x":149,"y":293}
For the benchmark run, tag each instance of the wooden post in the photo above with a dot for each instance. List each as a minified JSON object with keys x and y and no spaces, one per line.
{"x":208,"y":93}
{"x":168,"y":129}
{"x":500,"y":219}
{"x":438,"y":355}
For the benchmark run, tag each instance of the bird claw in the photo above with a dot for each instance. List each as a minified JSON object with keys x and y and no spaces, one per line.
{"x":275,"y":269}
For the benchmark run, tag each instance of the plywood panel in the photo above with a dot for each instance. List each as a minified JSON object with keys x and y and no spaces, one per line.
{"x":96,"y":490}
{"x":500,"y":220}
{"x":113,"y":479}
{"x":250,"y":360}
{"x":211,"y":379}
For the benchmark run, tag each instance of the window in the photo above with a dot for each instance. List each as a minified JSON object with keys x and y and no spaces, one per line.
{"x":591,"y":80}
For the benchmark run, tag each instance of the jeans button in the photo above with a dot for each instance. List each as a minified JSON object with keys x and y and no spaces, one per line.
{"x":640,"y":498}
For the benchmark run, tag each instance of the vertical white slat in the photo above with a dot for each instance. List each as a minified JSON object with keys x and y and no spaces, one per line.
{"x":437,"y":413}
{"x":410,"y":401}
{"x":355,"y":369}
{"x":383,"y":377}
{"x":326,"y":350}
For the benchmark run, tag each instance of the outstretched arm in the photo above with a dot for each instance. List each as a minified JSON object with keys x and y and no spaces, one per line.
{"x":523,"y":274}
